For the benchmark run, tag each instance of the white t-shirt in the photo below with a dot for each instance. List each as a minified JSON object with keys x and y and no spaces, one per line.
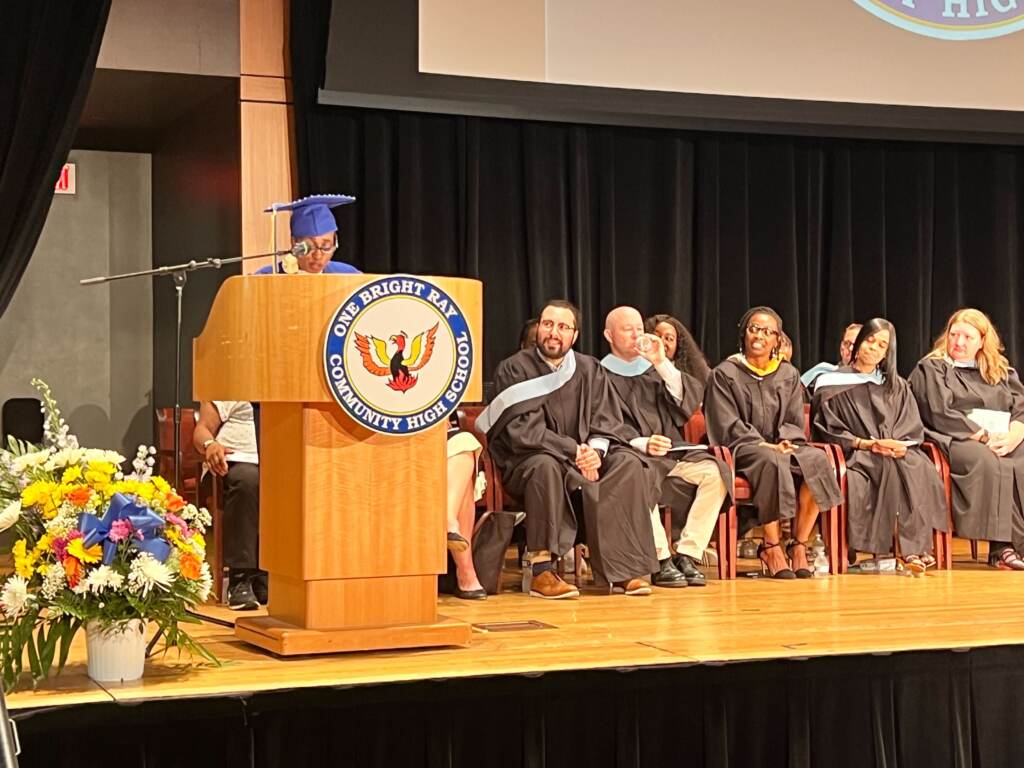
{"x":237,"y":430}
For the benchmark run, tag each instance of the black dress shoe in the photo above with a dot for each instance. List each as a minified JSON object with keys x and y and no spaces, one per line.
{"x":241,"y":597}
{"x":694,"y":576}
{"x":669,"y":576}
{"x":470,"y":594}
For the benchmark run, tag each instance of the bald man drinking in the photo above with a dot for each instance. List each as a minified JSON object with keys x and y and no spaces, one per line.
{"x":656,"y":400}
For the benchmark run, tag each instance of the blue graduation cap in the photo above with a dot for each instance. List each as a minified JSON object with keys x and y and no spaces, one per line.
{"x":311,"y":216}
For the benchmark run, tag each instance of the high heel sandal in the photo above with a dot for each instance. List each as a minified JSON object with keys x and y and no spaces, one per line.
{"x":782,"y":573}
{"x":915,"y":564}
{"x":801,"y":573}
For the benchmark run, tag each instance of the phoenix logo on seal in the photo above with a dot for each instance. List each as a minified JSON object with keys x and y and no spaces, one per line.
{"x":400,"y":364}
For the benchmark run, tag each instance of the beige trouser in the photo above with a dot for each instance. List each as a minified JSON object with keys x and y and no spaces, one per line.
{"x":703,"y":515}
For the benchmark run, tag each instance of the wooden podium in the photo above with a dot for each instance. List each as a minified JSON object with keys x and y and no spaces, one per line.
{"x":352,"y":522}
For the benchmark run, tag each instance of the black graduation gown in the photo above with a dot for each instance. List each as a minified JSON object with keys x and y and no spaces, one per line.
{"x":649,"y":409}
{"x":534,"y":445}
{"x":882,"y":491}
{"x":741,"y":410}
{"x":987,"y":489}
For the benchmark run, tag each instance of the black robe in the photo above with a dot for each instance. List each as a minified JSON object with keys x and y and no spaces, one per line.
{"x":741,"y":410}
{"x":534,"y":444}
{"x":882,"y":491}
{"x":987,"y":489}
{"x":649,"y":409}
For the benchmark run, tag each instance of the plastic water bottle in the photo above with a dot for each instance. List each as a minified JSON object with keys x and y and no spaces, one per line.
{"x":527,"y":573}
{"x":820,"y":558}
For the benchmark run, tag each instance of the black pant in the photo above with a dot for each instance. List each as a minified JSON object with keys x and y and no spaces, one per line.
{"x":241,"y":534}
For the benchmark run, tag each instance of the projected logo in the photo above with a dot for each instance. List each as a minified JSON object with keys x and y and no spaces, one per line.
{"x":398,"y":355}
{"x":950,"y":19}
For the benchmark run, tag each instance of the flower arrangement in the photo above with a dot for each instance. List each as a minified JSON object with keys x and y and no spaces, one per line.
{"x":91,"y":544}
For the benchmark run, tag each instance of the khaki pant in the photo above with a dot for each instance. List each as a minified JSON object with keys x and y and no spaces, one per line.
{"x":703,"y":515}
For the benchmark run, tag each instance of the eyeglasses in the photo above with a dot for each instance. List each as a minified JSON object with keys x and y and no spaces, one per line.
{"x":753,"y":330}
{"x":547,"y":325}
{"x":844,"y":344}
{"x":326,"y":250}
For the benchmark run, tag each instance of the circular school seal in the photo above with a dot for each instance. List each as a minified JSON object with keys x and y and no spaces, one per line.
{"x":398,"y":354}
{"x":950,"y":19}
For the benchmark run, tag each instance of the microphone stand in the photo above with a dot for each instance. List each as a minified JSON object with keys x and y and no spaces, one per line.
{"x":179,"y":273}
{"x":10,"y":747}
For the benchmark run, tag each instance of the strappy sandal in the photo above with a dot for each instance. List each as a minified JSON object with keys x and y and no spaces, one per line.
{"x":782,"y":573}
{"x":1007,"y":559}
{"x":915,"y":564}
{"x":801,"y":573}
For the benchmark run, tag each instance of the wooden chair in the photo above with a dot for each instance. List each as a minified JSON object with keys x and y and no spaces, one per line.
{"x":191,"y":474}
{"x":695,"y":431}
{"x":725,"y":536}
{"x":190,"y":457}
{"x":944,"y":541}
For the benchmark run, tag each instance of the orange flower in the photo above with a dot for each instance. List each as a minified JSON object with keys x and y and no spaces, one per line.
{"x":189,"y":566}
{"x":174,"y":502}
{"x":73,"y":570}
{"x":78,"y":495}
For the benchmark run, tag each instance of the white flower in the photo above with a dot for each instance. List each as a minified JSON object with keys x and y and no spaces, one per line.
{"x":103,"y":578}
{"x":146,"y":573}
{"x":54,"y":581}
{"x":10,"y":515}
{"x":96,"y":454}
{"x":205,"y":582}
{"x":21,"y":464}
{"x":64,"y":523}
{"x":14,"y":598}
{"x":196,"y":517}
{"x":67,"y":457}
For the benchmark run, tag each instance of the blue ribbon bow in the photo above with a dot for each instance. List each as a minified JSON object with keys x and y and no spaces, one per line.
{"x":143,"y":519}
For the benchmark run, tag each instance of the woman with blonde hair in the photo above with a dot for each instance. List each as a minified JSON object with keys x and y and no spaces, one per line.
{"x":972,"y":406}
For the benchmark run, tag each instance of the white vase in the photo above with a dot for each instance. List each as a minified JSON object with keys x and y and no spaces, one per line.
{"x":118,"y":653}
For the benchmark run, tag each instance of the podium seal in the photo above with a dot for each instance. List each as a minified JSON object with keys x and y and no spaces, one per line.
{"x":398,"y":354}
{"x":950,"y":19}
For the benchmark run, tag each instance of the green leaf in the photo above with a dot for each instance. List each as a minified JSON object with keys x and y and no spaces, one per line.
{"x":69,"y":629}
{"x":33,"y":658}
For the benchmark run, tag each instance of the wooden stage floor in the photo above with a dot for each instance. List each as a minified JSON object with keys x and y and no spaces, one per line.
{"x":744,"y":620}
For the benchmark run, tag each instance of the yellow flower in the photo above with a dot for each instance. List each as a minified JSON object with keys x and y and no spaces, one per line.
{"x":71,"y":474}
{"x":99,"y":472}
{"x":160,"y":484}
{"x":24,"y":562}
{"x":43,"y":494}
{"x":43,"y":544}
{"x":91,"y":555}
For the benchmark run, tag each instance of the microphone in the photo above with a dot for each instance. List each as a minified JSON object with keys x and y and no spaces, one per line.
{"x":301,"y":248}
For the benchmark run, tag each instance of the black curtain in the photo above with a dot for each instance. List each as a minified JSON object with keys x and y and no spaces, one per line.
{"x":48,"y":52}
{"x":700,"y":225}
{"x":942,"y":709}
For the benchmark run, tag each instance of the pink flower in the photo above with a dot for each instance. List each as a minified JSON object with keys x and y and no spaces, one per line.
{"x":174,"y":520}
{"x":120,"y":530}
{"x":60,"y":547}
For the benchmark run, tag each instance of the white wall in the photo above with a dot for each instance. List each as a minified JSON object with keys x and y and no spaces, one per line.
{"x":92,"y":344}
{"x":191,"y":37}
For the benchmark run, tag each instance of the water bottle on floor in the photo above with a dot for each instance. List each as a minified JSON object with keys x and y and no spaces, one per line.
{"x":820,"y":557}
{"x":527,"y":573}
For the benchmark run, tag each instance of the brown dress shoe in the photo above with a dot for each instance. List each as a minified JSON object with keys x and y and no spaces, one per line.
{"x":549,"y":586}
{"x":632,"y":588}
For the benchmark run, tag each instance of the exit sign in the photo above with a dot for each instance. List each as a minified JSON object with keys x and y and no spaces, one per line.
{"x":66,"y":180}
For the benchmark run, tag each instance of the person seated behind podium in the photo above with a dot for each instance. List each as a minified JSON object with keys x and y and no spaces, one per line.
{"x":966,"y":377}
{"x":226,"y":436}
{"x":528,"y":334}
{"x":680,"y":346}
{"x":554,"y":429}
{"x":313,"y":224}
{"x":656,"y":398}
{"x":845,"y":348}
{"x":465,"y":487}
{"x":867,"y":409}
{"x":754,"y":406}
